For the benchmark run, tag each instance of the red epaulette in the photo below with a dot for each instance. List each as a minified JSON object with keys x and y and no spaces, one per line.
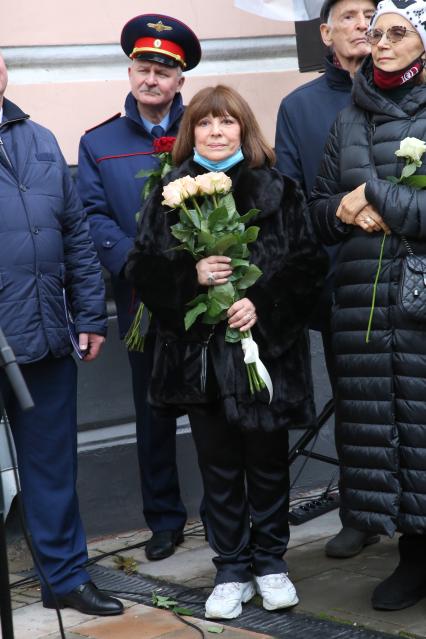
{"x":111,"y":119}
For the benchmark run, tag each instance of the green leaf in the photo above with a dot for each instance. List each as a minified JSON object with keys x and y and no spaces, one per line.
{"x":192,"y":315}
{"x":249,"y":215}
{"x":232,"y":335}
{"x":205,"y":238}
{"x":214,"y":308}
{"x":183,"y":235}
{"x":216,"y":630}
{"x":195,"y":218}
{"x":393,"y":179}
{"x":408,"y":170}
{"x":249,"y":235}
{"x":197,"y":300}
{"x":217,"y":216}
{"x":222,"y":245}
{"x":237,"y":262}
{"x":229,"y":203}
{"x":182,"y":611}
{"x":250,"y":277}
{"x":417,"y":181}
{"x":163,"y":602}
{"x":224,"y":294}
{"x":148,"y":173}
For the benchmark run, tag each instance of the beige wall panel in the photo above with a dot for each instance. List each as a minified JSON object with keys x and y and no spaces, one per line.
{"x":49,"y":22}
{"x":69,"y":109}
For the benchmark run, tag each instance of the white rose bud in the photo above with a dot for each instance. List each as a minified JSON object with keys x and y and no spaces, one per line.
{"x":189,"y":186}
{"x":205,"y":183}
{"x":412,"y":149}
{"x":173,"y":194}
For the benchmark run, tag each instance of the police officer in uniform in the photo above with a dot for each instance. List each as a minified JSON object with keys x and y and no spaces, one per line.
{"x":160,"y":49}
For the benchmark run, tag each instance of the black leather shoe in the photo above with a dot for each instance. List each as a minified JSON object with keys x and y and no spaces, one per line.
{"x":163,"y":544}
{"x":402,"y":589}
{"x":88,"y":599}
{"x":349,"y":542}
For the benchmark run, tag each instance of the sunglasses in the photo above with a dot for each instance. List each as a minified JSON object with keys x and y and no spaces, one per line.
{"x":393,"y":34}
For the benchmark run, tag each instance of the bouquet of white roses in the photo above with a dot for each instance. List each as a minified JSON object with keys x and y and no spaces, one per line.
{"x":209,"y":224}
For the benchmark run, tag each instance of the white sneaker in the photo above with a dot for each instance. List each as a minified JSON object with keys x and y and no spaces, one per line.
{"x":277,"y":591}
{"x":226,"y":599}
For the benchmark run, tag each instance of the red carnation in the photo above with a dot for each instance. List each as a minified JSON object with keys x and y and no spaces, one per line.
{"x":164,"y":144}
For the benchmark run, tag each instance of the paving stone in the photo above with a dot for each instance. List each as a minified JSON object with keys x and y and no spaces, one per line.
{"x":181,"y":566}
{"x":150,"y":623}
{"x":345,"y":596}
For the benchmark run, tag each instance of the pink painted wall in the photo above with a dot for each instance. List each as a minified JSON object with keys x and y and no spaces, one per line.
{"x":90,"y":21}
{"x":81,"y":106}
{"x":68,"y":108}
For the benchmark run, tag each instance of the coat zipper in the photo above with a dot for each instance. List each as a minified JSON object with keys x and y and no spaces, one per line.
{"x":5,"y":155}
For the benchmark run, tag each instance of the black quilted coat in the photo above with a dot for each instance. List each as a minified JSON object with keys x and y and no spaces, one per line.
{"x":293,"y":267}
{"x":381,"y":392}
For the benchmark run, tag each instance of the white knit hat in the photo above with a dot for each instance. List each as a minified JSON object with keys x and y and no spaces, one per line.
{"x":412,"y":10}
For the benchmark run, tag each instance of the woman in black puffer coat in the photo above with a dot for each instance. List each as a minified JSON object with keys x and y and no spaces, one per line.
{"x":381,"y":390}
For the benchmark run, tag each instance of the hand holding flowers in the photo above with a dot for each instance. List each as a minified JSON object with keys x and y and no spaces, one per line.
{"x":212,"y":230}
{"x":412,"y":149}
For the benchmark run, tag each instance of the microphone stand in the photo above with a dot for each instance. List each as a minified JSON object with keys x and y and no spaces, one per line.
{"x":5,"y":605}
{"x":19,"y":387}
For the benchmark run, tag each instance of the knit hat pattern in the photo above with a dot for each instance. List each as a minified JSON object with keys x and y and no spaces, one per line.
{"x":412,"y":10}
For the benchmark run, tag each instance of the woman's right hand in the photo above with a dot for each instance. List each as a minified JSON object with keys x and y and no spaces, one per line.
{"x":214,"y":270}
{"x":371,"y":221}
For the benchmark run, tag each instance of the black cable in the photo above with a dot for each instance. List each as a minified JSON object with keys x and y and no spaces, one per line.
{"x":190,"y":624}
{"x":22,"y":517}
{"x":307,"y":458}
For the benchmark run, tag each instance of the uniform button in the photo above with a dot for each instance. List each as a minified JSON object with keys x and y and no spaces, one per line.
{"x":36,"y":230}
{"x":108,"y":244}
{"x":22,"y":187}
{"x":39,"y":275}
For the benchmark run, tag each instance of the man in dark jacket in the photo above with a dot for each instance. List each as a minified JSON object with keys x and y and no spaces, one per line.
{"x":111,"y":155}
{"x":48,"y":261}
{"x":304,"y":121}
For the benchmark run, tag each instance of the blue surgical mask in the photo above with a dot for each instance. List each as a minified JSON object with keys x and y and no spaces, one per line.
{"x":220,"y":165}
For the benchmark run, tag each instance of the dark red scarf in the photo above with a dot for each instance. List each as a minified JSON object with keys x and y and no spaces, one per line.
{"x":387,"y":80}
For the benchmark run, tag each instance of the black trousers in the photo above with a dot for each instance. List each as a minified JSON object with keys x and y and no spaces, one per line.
{"x":246,"y":492}
{"x":156,"y":445}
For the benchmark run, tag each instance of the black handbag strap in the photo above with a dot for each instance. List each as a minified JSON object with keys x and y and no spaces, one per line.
{"x":407,"y":246}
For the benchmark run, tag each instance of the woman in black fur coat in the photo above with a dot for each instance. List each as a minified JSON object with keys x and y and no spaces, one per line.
{"x":241,"y":439}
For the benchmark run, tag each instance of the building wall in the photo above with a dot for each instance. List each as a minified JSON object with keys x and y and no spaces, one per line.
{"x":67,"y":69}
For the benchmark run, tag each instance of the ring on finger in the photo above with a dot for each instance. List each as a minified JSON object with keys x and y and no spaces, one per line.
{"x":249,"y":317}
{"x":211,"y":278}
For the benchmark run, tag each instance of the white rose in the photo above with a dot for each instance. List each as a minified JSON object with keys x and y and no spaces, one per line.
{"x":210,"y":183}
{"x":222,"y":183}
{"x":189,"y":186}
{"x":205,"y":183}
{"x":173,"y":194}
{"x":412,"y":149}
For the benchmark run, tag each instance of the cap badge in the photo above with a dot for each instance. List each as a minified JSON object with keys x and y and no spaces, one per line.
{"x":157,"y":44}
{"x":159,"y":26}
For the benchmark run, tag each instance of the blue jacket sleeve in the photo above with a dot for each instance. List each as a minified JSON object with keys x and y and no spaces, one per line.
{"x":288,"y":159}
{"x":112,"y":243}
{"x":83,"y":275}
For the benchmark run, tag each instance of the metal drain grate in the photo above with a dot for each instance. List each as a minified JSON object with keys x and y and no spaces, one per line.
{"x":280,"y":624}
